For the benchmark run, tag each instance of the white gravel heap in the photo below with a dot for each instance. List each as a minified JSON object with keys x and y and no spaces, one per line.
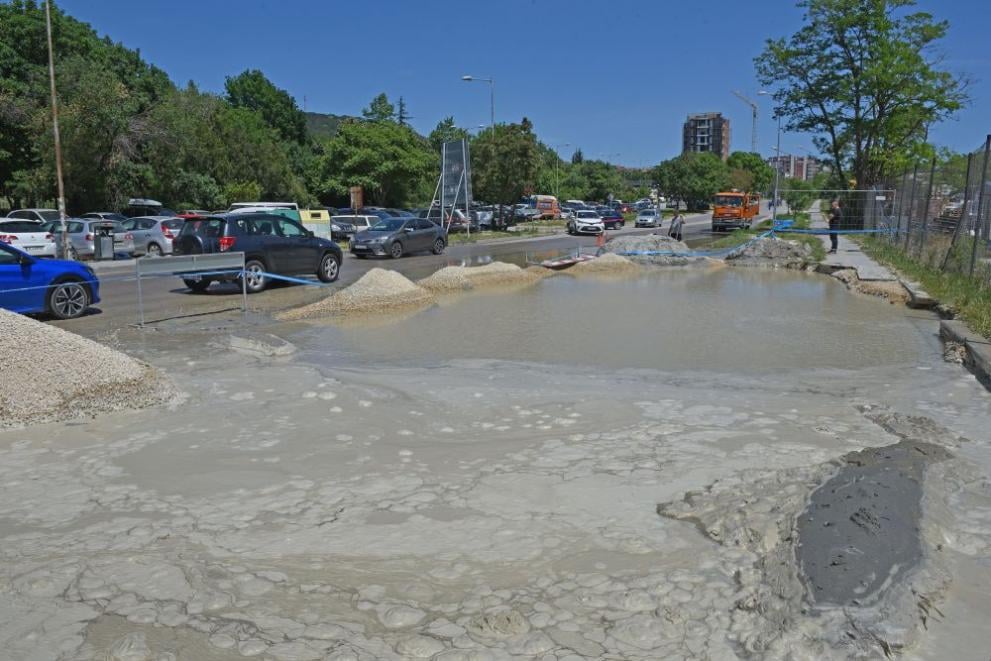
{"x":496,"y":274}
{"x":772,"y":252}
{"x":48,"y":374}
{"x":661,"y":250}
{"x":378,"y":290}
{"x":606,"y":264}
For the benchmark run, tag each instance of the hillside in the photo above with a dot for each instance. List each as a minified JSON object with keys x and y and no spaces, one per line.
{"x":322,"y":125}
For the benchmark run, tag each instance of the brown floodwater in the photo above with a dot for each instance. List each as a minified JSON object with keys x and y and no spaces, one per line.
{"x":725,"y":319}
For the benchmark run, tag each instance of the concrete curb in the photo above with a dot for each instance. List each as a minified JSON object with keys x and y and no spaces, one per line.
{"x":977,"y":357}
{"x":919,"y":298}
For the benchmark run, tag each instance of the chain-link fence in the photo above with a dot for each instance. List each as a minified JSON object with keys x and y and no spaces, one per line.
{"x":942,"y":214}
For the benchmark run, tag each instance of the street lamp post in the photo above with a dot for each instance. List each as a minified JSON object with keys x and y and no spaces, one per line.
{"x":491,"y":82}
{"x":557,"y":172}
{"x":777,"y":173}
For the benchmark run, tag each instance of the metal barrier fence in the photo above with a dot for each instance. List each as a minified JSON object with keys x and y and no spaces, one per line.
{"x":942,"y":213}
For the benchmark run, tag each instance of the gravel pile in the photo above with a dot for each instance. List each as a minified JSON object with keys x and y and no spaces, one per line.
{"x":48,"y":374}
{"x":378,"y":290}
{"x":661,"y":250}
{"x":496,"y":274}
{"x":772,"y":252}
{"x":607,"y":264}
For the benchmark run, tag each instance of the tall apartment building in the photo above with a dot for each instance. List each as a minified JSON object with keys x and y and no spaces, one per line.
{"x":708,"y":131}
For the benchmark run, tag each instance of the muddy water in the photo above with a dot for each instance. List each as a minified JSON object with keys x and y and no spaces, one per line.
{"x":480,"y":480}
{"x":704,"y":320}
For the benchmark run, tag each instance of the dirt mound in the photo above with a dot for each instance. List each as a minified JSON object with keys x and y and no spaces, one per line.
{"x":890,"y":290}
{"x":607,"y":264}
{"x":772,"y":252}
{"x":48,"y":374}
{"x":378,"y":290}
{"x":653,"y":249}
{"x":496,"y":274}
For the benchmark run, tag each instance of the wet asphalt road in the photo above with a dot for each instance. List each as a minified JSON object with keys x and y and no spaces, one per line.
{"x":167,"y":298}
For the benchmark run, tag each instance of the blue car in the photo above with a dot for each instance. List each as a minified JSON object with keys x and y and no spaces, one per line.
{"x":60,"y":288}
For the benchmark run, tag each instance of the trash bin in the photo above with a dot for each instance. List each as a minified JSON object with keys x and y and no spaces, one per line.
{"x":103,"y":241}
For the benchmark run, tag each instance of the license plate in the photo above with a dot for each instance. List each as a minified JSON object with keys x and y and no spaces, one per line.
{"x":34,"y":248}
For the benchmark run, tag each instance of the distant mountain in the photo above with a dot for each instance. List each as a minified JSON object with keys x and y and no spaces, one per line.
{"x":323,"y":125}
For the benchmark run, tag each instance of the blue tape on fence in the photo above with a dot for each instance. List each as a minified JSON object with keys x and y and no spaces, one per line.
{"x":825,"y":232}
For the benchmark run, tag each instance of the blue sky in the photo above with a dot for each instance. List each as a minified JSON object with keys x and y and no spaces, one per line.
{"x":614,"y":78}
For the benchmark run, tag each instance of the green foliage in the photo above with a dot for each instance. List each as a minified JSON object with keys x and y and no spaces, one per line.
{"x":379,"y":110}
{"x":577,"y":157}
{"x":321,"y":126}
{"x":504,"y":162}
{"x":389,"y":161}
{"x":693,"y":177}
{"x":863,"y":77}
{"x":761,"y":175}
{"x":798,"y":195}
{"x":445,"y":131}
{"x":252,"y":90}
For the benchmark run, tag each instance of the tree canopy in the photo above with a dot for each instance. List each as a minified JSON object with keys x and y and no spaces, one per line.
{"x":693,"y":177}
{"x":750,"y":172}
{"x":505,"y":160}
{"x":252,"y":90}
{"x":862,"y":76}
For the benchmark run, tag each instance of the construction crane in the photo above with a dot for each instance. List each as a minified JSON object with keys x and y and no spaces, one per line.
{"x":753,"y":108}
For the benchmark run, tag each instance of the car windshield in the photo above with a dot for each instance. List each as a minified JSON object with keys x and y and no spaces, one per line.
{"x":586,"y":214}
{"x":388,"y":225}
{"x":648,"y":213}
{"x":729,"y":200}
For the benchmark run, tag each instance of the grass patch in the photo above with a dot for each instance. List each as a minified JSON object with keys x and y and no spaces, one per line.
{"x":969,"y":297}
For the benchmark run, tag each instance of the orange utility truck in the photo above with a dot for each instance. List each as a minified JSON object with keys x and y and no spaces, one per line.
{"x":734,"y":210}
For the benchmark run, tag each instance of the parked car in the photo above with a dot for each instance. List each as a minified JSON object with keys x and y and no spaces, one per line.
{"x":454,"y":220}
{"x":567,"y":213}
{"x":139,"y":206}
{"x":586,"y":222}
{"x":82,"y":234}
{"x":360,"y":222}
{"x":626,"y":207}
{"x":397,"y":236}
{"x":28,"y":235}
{"x":613,"y":220}
{"x":342,"y":228}
{"x":63,"y":289}
{"x":648,"y":218}
{"x":104,"y":215}
{"x":270,"y":243}
{"x":153,"y":235}
{"x":37,"y":215}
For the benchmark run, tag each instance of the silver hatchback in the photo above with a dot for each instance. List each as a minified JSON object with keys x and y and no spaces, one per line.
{"x":83,"y":231}
{"x":153,"y":235}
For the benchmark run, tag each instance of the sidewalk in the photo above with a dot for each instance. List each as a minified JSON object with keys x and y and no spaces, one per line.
{"x":848,"y":253}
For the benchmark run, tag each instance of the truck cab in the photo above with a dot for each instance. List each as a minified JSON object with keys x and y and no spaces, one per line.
{"x":734,"y":210}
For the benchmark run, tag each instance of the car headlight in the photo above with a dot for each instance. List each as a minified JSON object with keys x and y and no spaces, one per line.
{"x":335,"y":227}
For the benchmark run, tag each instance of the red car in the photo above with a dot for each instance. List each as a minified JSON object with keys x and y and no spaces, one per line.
{"x":613,"y":220}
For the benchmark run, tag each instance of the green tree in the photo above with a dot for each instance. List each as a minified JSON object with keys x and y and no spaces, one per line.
{"x":252,"y":90}
{"x":379,"y":110}
{"x":402,"y":115}
{"x":577,"y":157}
{"x":693,"y":177}
{"x":445,"y":131}
{"x":864,"y":77}
{"x":603,"y":180}
{"x":799,"y":195}
{"x":389,"y":161}
{"x":504,"y":161}
{"x":761,"y":174}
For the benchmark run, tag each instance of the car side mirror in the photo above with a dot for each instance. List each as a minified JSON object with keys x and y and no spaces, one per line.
{"x":25,"y":260}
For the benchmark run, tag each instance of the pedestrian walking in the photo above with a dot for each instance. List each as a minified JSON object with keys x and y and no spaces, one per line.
{"x":834,"y":225}
{"x":677,"y":224}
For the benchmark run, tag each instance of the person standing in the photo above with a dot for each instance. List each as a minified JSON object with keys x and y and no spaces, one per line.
{"x":834,"y":225}
{"x":677,"y":223}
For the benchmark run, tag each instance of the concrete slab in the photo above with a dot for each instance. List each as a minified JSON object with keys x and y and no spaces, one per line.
{"x":918,"y":297}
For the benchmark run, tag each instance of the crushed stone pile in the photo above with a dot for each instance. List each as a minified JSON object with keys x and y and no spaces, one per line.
{"x":889,"y":290}
{"x":48,"y":374}
{"x":496,"y":274}
{"x":379,"y":290}
{"x":606,"y":264}
{"x":772,"y":252}
{"x":653,"y":249}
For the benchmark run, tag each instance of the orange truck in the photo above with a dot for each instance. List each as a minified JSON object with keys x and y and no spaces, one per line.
{"x":734,"y":210}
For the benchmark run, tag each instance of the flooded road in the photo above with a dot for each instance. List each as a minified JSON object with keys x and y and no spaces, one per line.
{"x":721,"y":319}
{"x":584,"y":469}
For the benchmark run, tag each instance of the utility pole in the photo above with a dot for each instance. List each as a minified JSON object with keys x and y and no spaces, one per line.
{"x":777,"y":174}
{"x":58,"y":142}
{"x":753,"y":109}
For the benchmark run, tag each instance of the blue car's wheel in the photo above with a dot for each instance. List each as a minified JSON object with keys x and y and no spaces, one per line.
{"x":68,"y":300}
